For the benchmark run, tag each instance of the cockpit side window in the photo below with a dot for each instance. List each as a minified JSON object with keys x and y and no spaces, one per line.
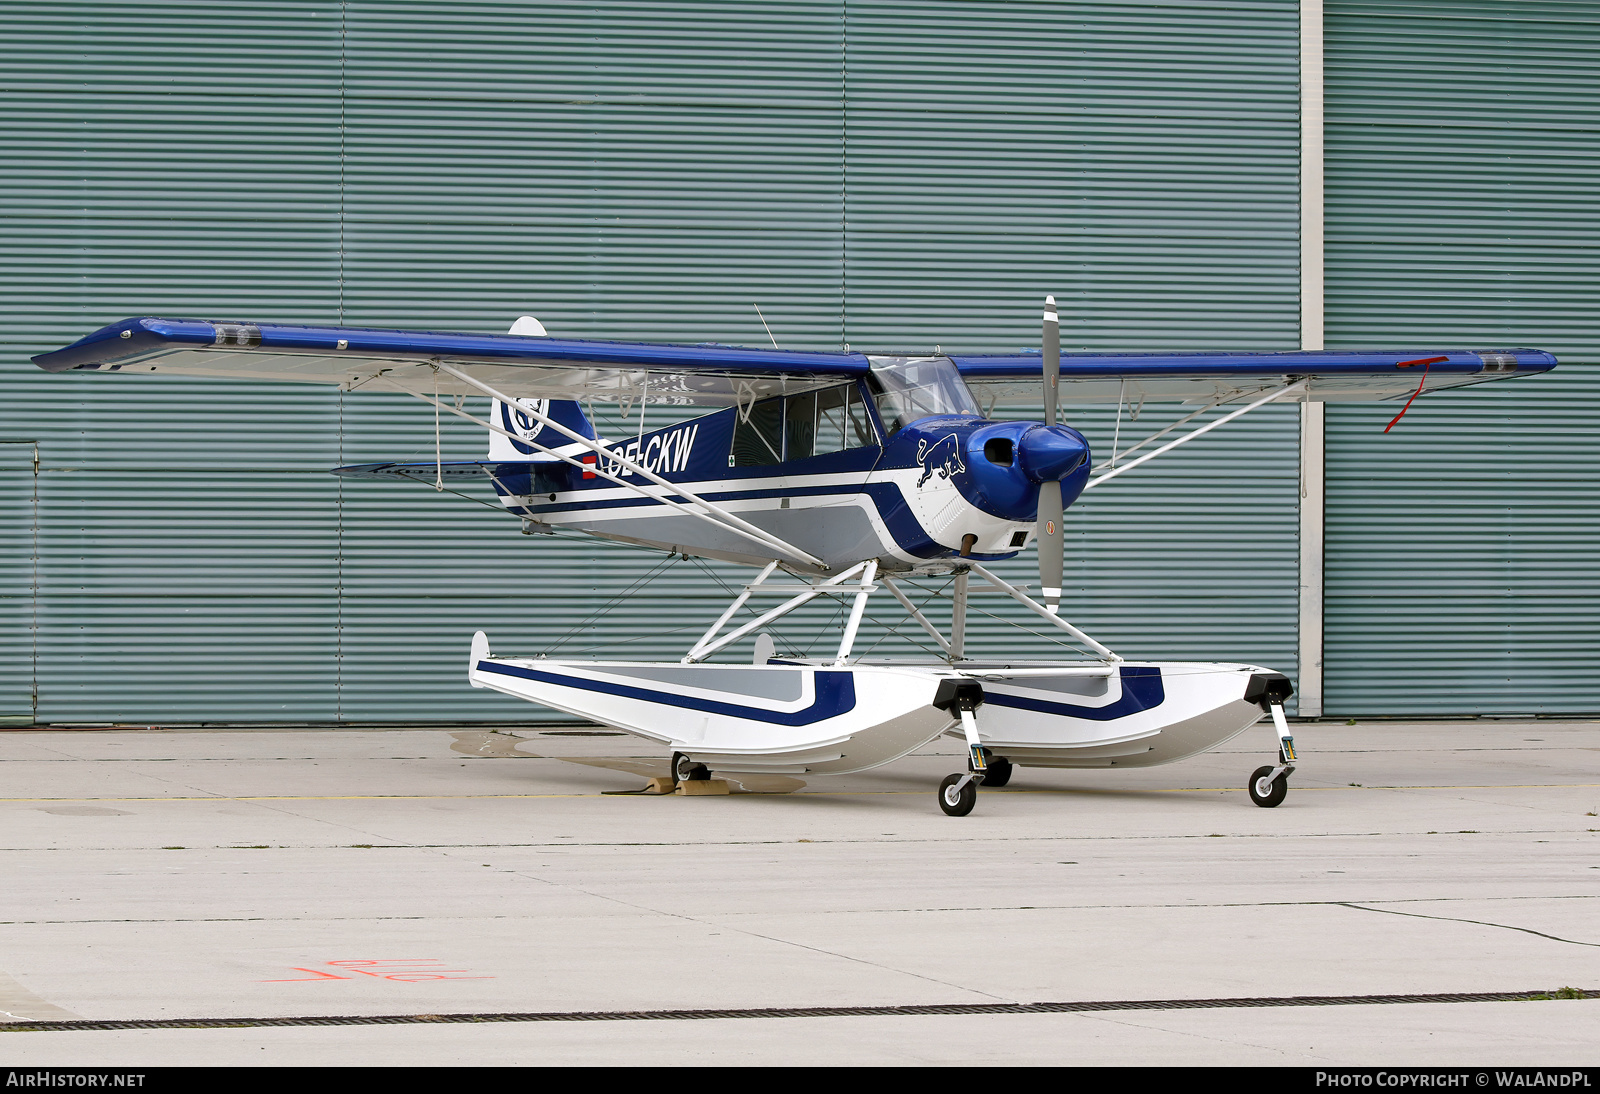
{"x":860,"y":432}
{"x":908,"y":388}
{"x":842,"y":420}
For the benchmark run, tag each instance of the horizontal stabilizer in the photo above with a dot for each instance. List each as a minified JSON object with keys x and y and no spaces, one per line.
{"x":429,"y":469}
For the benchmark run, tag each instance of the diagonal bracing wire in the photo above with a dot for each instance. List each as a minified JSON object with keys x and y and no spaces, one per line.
{"x":613,"y":602}
{"x":1048,"y":636}
{"x":890,"y":628}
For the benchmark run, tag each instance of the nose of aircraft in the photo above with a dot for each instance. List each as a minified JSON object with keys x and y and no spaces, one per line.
{"x":1049,"y":453}
{"x":1007,"y":461}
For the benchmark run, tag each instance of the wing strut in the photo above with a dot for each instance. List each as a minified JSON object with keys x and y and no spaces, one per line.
{"x":707,"y":511}
{"x":1292,"y":389}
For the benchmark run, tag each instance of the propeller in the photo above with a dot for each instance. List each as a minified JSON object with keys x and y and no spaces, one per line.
{"x":1048,"y":533}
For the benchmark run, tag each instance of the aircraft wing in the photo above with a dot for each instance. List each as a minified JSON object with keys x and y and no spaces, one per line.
{"x":357,"y":358}
{"x":1333,"y":375}
{"x":523,"y":366}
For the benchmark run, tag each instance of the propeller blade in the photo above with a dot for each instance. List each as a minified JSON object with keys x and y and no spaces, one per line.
{"x":1052,"y":358}
{"x":1050,"y":544}
{"x":1048,"y":534}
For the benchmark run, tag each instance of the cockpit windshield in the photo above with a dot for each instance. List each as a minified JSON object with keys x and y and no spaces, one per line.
{"x":908,"y":388}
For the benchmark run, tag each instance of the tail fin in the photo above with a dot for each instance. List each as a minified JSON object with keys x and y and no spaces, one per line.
{"x":512,"y":417}
{"x":480,"y":650}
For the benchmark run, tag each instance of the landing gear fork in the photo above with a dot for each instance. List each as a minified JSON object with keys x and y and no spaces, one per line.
{"x":1268,"y":786}
{"x":958,"y":793}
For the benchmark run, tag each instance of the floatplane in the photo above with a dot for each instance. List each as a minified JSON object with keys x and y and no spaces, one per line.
{"x":833,"y":474}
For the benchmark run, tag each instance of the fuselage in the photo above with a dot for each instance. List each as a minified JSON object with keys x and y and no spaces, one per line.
{"x":901,"y":467}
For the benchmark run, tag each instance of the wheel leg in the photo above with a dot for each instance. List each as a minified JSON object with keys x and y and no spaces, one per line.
{"x":1269,"y":785}
{"x":1285,"y":738}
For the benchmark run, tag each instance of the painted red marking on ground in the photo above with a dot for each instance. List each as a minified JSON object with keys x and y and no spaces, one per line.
{"x":407,"y":970}
{"x":315,"y":975}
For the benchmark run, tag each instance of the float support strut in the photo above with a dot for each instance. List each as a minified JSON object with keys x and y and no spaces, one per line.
{"x":868,"y":572}
{"x":958,"y":618}
{"x":705,"y":648}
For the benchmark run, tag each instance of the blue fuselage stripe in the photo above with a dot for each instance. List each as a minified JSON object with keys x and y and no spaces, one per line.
{"x":835,"y":694}
{"x":886,"y":497}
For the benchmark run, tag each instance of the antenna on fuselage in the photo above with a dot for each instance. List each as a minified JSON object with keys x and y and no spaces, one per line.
{"x":763,"y":319}
{"x":1047,"y":533}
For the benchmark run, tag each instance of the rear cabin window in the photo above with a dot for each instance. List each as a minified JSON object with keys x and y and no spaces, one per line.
{"x":758,"y":436}
{"x":798,"y":426}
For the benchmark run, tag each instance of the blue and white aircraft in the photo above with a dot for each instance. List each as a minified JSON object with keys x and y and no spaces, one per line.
{"x":835,"y":473}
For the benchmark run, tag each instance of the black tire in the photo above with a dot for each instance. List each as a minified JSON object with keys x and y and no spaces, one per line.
{"x":957,"y":804}
{"x":998,"y":773}
{"x":685,"y":770}
{"x":1278,"y":791}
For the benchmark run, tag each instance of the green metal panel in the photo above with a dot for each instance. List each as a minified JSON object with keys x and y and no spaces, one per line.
{"x":877,"y":172}
{"x":19,"y":522}
{"x":1462,"y":209}
{"x":157,"y":163}
{"x":188,"y":551}
{"x":620,"y":170}
{"x":1138,"y":160}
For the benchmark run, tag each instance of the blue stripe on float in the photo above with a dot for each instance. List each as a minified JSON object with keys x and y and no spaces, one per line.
{"x":835,"y":694}
{"x":1141,"y":690}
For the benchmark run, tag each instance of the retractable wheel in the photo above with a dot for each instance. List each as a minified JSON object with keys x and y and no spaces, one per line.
{"x":685,"y":770}
{"x":1268,"y":794}
{"x":958,"y":794}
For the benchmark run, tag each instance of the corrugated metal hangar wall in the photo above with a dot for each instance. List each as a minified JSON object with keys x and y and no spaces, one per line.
{"x":1463,"y":549}
{"x":895,"y":175}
